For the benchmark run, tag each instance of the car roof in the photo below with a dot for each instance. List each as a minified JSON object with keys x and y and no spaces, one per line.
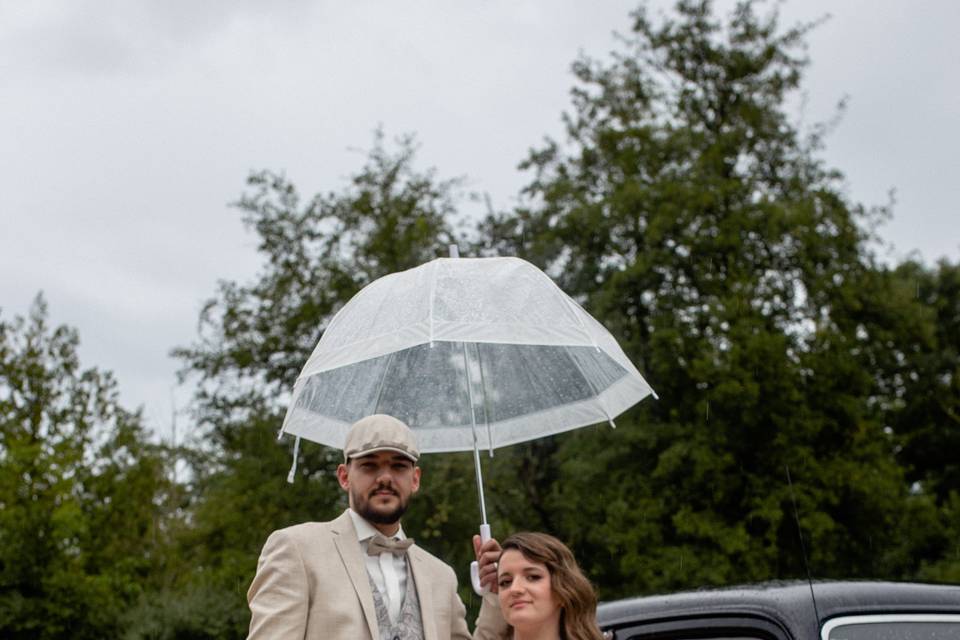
{"x":788,"y":603}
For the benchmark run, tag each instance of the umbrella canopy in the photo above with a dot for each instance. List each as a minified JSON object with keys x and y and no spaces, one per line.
{"x":469,"y":352}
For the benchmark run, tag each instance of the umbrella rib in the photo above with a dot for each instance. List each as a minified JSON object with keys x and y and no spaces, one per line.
{"x":433,"y":291}
{"x":483,"y":388}
{"x":593,"y":387}
{"x":573,"y":306}
{"x":383,"y":378}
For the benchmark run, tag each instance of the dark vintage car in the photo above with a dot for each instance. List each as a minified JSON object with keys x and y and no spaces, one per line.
{"x":789,"y":611}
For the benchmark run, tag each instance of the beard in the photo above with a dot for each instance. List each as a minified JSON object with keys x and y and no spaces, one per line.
{"x":364,"y":508}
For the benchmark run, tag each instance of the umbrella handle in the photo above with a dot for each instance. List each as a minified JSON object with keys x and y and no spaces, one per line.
{"x":475,"y":566}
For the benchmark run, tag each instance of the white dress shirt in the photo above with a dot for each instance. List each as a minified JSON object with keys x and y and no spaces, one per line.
{"x":387,"y":570}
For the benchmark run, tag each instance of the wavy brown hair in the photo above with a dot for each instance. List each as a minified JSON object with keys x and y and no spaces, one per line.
{"x":578,"y":601}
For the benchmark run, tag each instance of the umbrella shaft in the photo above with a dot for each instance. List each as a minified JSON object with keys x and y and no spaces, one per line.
{"x":476,"y":448}
{"x":476,"y":464}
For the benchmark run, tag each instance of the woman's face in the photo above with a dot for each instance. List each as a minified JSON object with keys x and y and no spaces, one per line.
{"x":526,"y":596}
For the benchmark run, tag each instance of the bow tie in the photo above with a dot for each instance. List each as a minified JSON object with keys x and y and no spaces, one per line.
{"x":380,"y":544}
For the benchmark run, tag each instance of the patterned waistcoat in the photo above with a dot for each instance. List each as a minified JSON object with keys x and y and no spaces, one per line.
{"x":409,"y":625}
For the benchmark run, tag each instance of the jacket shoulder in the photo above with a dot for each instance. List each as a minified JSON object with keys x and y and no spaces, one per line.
{"x":305,"y":528}
{"x":436,"y":566}
{"x":305,"y":533}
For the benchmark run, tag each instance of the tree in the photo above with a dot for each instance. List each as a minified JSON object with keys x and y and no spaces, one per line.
{"x":83,"y":494}
{"x":922,"y":405}
{"x":256,"y":337}
{"x":927,"y":414}
{"x":688,"y":213}
{"x":691,"y":216}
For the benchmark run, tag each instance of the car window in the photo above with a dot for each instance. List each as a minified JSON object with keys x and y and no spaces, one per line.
{"x":701,"y":635}
{"x":697,"y":637}
{"x":893,"y":627}
{"x":725,"y":628}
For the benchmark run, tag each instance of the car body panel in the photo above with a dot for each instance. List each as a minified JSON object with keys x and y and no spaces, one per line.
{"x":777,"y":610}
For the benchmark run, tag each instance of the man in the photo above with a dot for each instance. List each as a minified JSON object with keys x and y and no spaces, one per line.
{"x":359,"y":576}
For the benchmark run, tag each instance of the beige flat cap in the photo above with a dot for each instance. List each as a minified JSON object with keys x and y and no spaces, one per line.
{"x":380,"y":432}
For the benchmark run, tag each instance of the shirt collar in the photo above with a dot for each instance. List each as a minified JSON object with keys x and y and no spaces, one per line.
{"x":365,"y":530}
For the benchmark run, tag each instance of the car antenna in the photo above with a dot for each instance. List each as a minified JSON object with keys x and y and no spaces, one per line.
{"x":803,"y":549}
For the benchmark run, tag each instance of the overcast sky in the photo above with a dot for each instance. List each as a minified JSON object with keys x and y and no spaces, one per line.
{"x":127,"y":127}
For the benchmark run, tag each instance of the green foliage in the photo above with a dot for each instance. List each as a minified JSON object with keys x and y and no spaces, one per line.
{"x":691,"y":216}
{"x":696,"y":221}
{"x":194,"y":613}
{"x":805,"y":388}
{"x":256,"y":337}
{"x":945,"y":565}
{"x":926,"y":377}
{"x":82,"y":492}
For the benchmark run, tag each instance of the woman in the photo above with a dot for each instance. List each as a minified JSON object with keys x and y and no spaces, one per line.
{"x":543,"y":594}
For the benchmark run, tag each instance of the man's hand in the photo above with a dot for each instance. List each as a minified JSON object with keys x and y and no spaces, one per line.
{"x":487,"y":556}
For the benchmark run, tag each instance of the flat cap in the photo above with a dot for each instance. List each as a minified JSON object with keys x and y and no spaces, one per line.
{"x":380,"y":432}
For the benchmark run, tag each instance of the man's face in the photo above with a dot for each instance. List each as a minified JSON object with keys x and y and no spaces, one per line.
{"x":380,"y":485}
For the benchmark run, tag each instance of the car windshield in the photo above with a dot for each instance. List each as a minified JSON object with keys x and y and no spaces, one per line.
{"x":894,"y":628}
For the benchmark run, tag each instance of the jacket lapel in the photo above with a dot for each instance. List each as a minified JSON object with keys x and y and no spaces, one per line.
{"x":421,"y":580}
{"x":345,"y":539}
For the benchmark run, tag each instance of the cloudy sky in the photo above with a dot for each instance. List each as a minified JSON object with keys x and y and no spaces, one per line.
{"x":127,"y":127}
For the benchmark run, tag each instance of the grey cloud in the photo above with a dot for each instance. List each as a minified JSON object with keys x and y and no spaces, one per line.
{"x":114,"y":37}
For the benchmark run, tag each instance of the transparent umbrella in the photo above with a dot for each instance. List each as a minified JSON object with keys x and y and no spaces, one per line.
{"x":472,"y":353}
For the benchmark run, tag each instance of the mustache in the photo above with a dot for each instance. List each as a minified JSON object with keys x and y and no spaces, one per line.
{"x":383,"y":488}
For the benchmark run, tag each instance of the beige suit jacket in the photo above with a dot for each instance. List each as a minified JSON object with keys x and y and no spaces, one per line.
{"x":312,"y":584}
